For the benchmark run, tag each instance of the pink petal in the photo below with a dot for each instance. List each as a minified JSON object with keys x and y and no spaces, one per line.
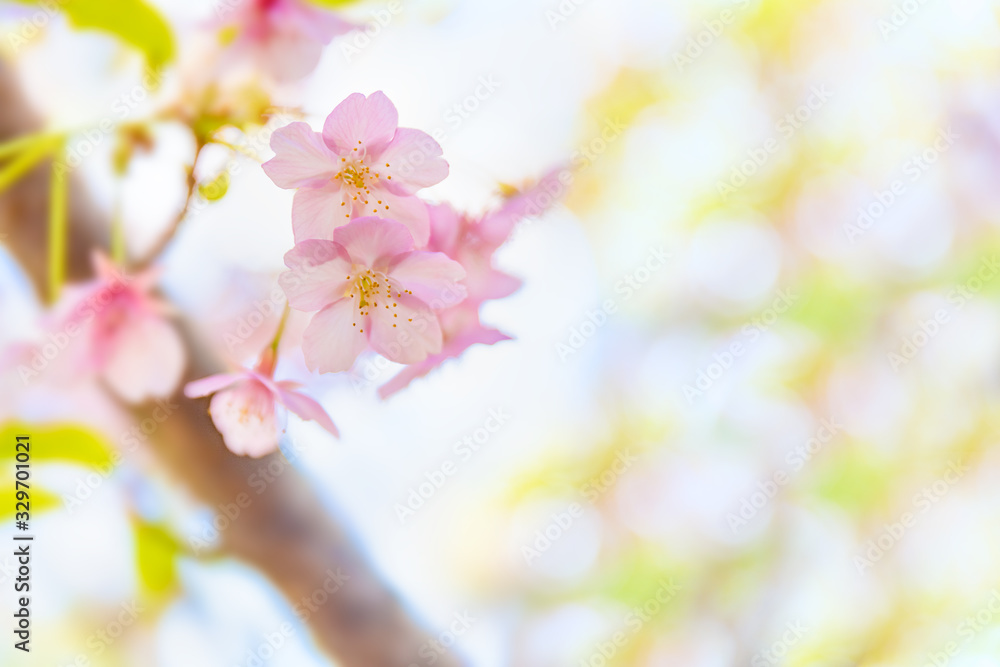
{"x":408,"y":210}
{"x":289,"y":55}
{"x":416,"y":334}
{"x":367,"y":124}
{"x":334,"y":338}
{"x":446,"y":226}
{"x":307,"y":409}
{"x":414,"y":160}
{"x":318,"y":275}
{"x":492,"y":284}
{"x":431,"y":276}
{"x":211,"y":384}
{"x":371,"y":241}
{"x":316,"y":212}
{"x":301,"y":159}
{"x":147,"y":361}
{"x":534,"y":201}
{"x":452,"y":349}
{"x":245,"y":417}
{"x":318,"y":25}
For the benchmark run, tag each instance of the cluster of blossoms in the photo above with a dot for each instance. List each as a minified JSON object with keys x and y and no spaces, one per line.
{"x":379,"y":269}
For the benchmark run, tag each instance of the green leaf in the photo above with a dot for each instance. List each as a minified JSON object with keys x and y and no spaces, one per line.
{"x":156,"y":552}
{"x":57,"y":442}
{"x":132,"y":21}
{"x":28,"y":152}
{"x":215,"y":189}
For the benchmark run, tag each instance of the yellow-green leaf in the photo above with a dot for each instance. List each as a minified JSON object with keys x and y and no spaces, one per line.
{"x":134,"y":22}
{"x":156,"y":552}
{"x":216,"y":188}
{"x":333,"y":4}
{"x":56,"y":442}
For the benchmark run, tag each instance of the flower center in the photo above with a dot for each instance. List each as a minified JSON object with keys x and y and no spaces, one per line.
{"x":358,"y":176}
{"x":369,"y":288}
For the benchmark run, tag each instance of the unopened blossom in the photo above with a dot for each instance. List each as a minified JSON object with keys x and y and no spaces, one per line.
{"x":244,"y":407}
{"x":282,"y":37}
{"x":371,"y":290}
{"x":472,"y":241}
{"x":114,"y":328}
{"x":361,"y":165}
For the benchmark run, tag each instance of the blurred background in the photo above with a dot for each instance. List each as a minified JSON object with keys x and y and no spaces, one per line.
{"x":749,"y":416}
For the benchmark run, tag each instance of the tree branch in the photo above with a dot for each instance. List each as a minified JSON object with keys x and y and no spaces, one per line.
{"x":283,"y":532}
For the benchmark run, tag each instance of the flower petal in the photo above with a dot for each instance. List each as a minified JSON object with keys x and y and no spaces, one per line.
{"x":316,"y":212}
{"x":373,"y":240}
{"x":431,"y":276}
{"x":414,"y":160}
{"x":211,"y":384}
{"x":301,"y":159}
{"x":318,"y":275}
{"x":245,"y":417}
{"x":147,"y":361}
{"x":405,"y":209}
{"x":496,"y":227}
{"x":306,"y":408}
{"x":334,"y":338}
{"x":416,"y":334}
{"x":363,"y":123}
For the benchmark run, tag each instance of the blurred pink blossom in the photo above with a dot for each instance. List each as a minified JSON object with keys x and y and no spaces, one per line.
{"x":282,"y":37}
{"x":243,"y":408}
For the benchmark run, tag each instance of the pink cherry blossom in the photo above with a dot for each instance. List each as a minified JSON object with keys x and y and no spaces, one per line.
{"x":282,"y":37}
{"x":117,"y":330}
{"x":472,"y":242}
{"x":244,"y":407}
{"x":371,"y":290}
{"x":361,"y":165}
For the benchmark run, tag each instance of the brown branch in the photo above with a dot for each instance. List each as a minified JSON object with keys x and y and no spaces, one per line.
{"x":283,"y":532}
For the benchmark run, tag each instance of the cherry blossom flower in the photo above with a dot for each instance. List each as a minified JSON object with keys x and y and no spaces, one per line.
{"x":362,"y":165}
{"x":114,"y":328}
{"x":282,"y":37}
{"x":371,"y":290}
{"x":244,"y":407}
{"x":472,"y":242}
